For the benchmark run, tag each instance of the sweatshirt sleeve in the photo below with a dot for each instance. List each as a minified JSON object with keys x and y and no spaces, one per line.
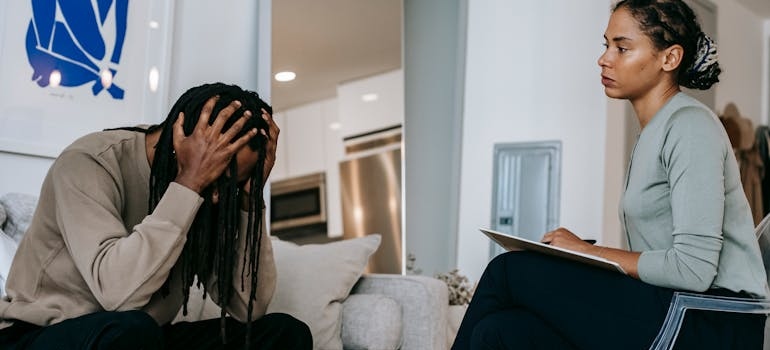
{"x":693,"y":155}
{"x":122,"y":268}
{"x":238,"y":306}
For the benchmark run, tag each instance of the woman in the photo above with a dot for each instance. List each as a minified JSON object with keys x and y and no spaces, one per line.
{"x":687,"y":220}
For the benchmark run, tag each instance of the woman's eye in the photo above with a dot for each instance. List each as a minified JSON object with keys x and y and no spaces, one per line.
{"x":622,"y":49}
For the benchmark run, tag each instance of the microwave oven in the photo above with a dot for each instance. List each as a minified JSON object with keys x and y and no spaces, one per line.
{"x":298,"y":205}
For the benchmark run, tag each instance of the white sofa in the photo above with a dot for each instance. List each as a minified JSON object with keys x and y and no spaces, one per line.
{"x":382,"y":311}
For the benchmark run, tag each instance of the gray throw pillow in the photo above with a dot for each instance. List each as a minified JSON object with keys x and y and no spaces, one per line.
{"x":371,"y":321}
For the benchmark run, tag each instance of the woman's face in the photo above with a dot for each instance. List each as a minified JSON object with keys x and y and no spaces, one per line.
{"x":631,"y":65}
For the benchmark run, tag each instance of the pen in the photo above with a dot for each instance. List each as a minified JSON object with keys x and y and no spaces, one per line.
{"x":589,"y":241}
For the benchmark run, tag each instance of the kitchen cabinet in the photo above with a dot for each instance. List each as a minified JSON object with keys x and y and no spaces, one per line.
{"x":371,"y":103}
{"x":302,"y":145}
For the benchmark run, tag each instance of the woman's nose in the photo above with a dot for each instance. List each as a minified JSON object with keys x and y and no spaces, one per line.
{"x":602,"y":61}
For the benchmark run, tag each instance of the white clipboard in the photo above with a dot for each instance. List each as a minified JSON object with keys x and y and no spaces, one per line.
{"x":511,"y":243}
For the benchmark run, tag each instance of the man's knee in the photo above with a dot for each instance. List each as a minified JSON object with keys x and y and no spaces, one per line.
{"x":288,"y":330}
{"x":131,"y":330}
{"x":286,"y":322}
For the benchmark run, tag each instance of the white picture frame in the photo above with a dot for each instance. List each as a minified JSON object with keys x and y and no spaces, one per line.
{"x":42,"y":120}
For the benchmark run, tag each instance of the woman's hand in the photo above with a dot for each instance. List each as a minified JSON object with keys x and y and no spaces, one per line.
{"x":272,"y":144}
{"x":204,"y":154}
{"x":564,"y":238}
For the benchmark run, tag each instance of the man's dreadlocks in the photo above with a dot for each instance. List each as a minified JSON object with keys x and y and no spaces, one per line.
{"x":210,"y":250}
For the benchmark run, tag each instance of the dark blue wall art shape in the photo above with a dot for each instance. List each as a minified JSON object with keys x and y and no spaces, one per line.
{"x":74,"y":45}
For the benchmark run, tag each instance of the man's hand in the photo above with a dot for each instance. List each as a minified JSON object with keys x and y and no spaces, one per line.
{"x":204,"y":154}
{"x":272,"y":143}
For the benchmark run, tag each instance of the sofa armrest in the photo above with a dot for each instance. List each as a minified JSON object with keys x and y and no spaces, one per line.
{"x":424,"y":302}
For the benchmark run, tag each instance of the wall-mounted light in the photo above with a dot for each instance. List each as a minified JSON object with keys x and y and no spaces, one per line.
{"x":55,"y":78}
{"x":371,"y":97}
{"x":285,"y":76}
{"x":106,"y":77}
{"x":153,"y":79}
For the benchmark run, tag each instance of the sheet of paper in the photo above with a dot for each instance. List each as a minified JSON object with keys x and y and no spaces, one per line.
{"x":511,"y":243}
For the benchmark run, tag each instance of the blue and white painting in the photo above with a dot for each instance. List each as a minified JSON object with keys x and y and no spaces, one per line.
{"x":80,"y":42}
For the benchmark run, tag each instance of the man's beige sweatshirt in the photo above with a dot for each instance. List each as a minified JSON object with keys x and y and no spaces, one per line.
{"x":91,"y":246}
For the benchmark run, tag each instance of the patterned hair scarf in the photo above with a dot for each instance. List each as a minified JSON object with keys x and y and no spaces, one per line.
{"x":706,"y":55}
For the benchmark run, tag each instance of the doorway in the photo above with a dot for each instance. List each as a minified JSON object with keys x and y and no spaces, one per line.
{"x":526,"y":186}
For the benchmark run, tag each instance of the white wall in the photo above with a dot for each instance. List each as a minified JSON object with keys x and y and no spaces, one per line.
{"x":22,"y":173}
{"x":620,"y":138}
{"x":766,"y":75}
{"x":202,"y":54}
{"x":198,"y":55}
{"x":434,"y":86}
{"x":531,"y":75}
{"x":741,"y":40}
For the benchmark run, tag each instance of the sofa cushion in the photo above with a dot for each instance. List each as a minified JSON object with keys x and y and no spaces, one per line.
{"x":7,"y":250}
{"x":371,"y":321}
{"x":16,"y":211}
{"x":3,"y":216}
{"x":198,"y":308}
{"x":19,"y":208}
{"x":314,"y":279}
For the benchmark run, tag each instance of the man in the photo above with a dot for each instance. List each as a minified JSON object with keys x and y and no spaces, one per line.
{"x":128,"y":220}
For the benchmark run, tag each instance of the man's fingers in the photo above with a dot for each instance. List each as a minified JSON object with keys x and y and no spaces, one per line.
{"x":203,"y":120}
{"x":178,"y":134}
{"x":266,"y":116}
{"x":223,"y":116}
{"x":235,"y":128}
{"x":241,"y":141}
{"x":274,"y":130}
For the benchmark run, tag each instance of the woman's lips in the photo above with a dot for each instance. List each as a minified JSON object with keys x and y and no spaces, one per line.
{"x":607,"y":81}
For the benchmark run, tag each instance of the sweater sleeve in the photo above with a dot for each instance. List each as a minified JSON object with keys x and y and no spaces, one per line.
{"x":693,"y":155}
{"x":122,"y":268}
{"x":266,"y":274}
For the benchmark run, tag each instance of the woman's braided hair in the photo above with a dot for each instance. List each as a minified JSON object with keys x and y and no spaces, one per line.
{"x":672,"y":22}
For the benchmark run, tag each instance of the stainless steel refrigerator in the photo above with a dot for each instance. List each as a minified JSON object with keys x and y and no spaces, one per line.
{"x":370,"y":182}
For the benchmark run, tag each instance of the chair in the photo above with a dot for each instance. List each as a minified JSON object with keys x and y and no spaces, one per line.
{"x":682,"y":301}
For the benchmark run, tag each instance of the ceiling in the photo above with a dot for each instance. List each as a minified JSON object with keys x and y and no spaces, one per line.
{"x":330,"y":42}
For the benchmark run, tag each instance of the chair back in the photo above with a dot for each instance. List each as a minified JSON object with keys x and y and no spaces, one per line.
{"x":762,"y":232}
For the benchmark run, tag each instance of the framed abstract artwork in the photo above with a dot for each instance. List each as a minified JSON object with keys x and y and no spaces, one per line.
{"x":72,"y":67}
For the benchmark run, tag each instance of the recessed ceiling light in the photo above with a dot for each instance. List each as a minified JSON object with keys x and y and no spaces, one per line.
{"x":285,"y":76}
{"x":369,"y":97}
{"x":335,"y":126}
